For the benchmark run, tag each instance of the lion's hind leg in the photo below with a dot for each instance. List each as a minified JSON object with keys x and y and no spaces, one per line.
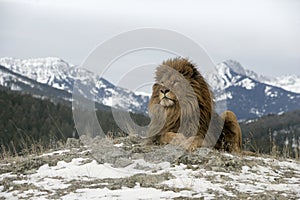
{"x":231,"y":139}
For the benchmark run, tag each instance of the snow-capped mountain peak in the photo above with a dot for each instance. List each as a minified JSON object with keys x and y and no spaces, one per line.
{"x":61,"y":75}
{"x":288,"y":82}
{"x":251,"y":95}
{"x":44,"y":70}
{"x":48,"y":62}
{"x":235,"y":66}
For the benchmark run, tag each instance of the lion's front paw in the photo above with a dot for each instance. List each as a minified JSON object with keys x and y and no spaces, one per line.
{"x":172,"y":138}
{"x":178,"y":139}
{"x":192,"y":143}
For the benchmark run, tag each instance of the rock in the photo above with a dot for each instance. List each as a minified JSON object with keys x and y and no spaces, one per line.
{"x":73,"y":143}
{"x":122,"y":162}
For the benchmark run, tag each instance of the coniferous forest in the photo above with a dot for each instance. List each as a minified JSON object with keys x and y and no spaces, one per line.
{"x":274,"y":134}
{"x":27,"y":123}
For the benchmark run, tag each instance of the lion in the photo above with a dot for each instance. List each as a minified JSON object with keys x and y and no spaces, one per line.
{"x":182,"y":112}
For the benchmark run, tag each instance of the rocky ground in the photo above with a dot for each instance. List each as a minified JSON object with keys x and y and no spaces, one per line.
{"x":124,"y":168}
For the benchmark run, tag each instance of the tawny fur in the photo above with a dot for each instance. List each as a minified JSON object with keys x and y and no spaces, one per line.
{"x":181,"y":95}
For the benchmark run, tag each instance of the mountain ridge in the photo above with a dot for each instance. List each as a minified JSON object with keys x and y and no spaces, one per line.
{"x":245,"y":92}
{"x":289,"y":82}
{"x":60,"y":75}
{"x":247,"y":96}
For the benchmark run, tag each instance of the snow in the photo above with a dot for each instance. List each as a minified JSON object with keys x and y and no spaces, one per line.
{"x":225,"y":75}
{"x":143,"y":93}
{"x":185,"y":178}
{"x":41,"y":69}
{"x":124,"y":193}
{"x":288,"y":82}
{"x":58,"y":152}
{"x":235,"y":66}
{"x":50,"y":70}
{"x":224,"y":96}
{"x":76,"y":170}
{"x":256,"y":112}
{"x":119,"y":145}
{"x":224,"y":78}
{"x":5,"y":175}
{"x":270,"y":93}
{"x":246,"y":83}
{"x":107,"y":101}
{"x":92,"y":180}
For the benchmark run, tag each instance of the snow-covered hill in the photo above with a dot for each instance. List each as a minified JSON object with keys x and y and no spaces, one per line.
{"x":79,"y":173}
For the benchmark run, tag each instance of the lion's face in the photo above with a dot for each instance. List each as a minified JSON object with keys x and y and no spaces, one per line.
{"x":166,"y":97}
{"x":171,"y":87}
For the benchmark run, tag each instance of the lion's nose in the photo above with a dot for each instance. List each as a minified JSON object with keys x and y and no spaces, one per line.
{"x":165,"y":91}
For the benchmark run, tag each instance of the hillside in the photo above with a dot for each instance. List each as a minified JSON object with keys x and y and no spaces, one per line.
{"x":124,"y":169}
{"x":29,"y":123}
{"x":280,"y":131}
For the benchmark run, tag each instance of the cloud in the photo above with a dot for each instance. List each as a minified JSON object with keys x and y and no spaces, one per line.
{"x":260,"y":34}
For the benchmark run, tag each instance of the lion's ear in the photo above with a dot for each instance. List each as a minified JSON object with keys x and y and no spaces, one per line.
{"x":187,"y":71}
{"x":155,"y":88}
{"x":155,"y":85}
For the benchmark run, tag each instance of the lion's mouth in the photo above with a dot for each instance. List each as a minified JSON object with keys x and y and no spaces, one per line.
{"x":165,"y":97}
{"x":166,"y":101}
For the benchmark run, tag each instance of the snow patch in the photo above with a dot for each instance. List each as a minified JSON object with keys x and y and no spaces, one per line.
{"x":135,"y":193}
{"x":76,"y":170}
{"x":246,"y":83}
{"x":269,"y":92}
{"x":224,"y":96}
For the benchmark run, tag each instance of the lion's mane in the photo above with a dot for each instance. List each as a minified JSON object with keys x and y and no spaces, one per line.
{"x":204,"y":101}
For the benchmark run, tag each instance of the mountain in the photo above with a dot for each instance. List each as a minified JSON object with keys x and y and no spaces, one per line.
{"x":243,"y":91}
{"x":38,"y":76}
{"x":248,"y":94}
{"x":288,"y":82}
{"x":18,"y":82}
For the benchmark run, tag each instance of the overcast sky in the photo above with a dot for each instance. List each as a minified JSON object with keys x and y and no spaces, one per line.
{"x":263,"y":36}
